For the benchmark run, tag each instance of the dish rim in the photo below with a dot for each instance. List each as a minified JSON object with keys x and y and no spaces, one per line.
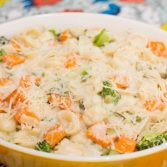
{"x":53,"y":156}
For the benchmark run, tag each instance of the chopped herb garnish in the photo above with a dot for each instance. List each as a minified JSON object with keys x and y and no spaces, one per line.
{"x":107,"y":83}
{"x":54,"y":32}
{"x":138,"y":66}
{"x":77,"y":38}
{"x":129,"y":112}
{"x":3,"y":40}
{"x":145,"y":76}
{"x":85,"y":30}
{"x":43,"y":74}
{"x":81,"y":105}
{"x":43,"y":146}
{"x":101,"y":38}
{"x":17,"y":129}
{"x":51,"y":90}
{"x":84,"y":76}
{"x":67,"y":93}
{"x":151,"y":140}
{"x":84,"y":72}
{"x":57,"y":79}
{"x":138,"y":119}
{"x":109,"y":94}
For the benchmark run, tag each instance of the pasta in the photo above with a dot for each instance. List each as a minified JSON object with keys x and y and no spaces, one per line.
{"x":83,"y":92}
{"x":6,"y":124}
{"x":70,"y":122}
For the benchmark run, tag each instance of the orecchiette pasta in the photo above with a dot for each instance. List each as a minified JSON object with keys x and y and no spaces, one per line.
{"x":70,"y":122}
{"x":7,"y":124}
{"x":84,"y":92}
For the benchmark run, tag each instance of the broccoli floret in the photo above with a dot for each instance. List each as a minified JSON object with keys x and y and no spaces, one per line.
{"x":54,"y":32}
{"x":85,"y":76}
{"x":43,"y":146}
{"x":101,"y":38}
{"x":109,"y":94}
{"x":2,"y":52}
{"x":107,"y":83}
{"x":151,"y":140}
{"x":84,"y":72}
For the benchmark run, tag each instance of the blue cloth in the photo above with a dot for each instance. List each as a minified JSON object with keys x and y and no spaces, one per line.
{"x":27,"y":3}
{"x":113,"y":9}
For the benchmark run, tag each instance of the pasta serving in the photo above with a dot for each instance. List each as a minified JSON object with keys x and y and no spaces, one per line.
{"x":83,"y":92}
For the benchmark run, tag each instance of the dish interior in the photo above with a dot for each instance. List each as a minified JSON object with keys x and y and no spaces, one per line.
{"x":70,"y":84}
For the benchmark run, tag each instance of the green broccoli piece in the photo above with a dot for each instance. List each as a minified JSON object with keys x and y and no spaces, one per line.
{"x":85,"y":76}
{"x":101,"y":38}
{"x":138,"y":119}
{"x":151,"y":140}
{"x":107,"y":83}
{"x":2,"y":52}
{"x":84,"y":72}
{"x":109,"y":94}
{"x":43,"y":146}
{"x":54,"y":32}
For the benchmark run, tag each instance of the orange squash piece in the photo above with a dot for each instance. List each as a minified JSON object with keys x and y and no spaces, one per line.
{"x":12,"y":60}
{"x":18,"y":97}
{"x":54,"y":135}
{"x":154,"y":104}
{"x":98,"y":134}
{"x":3,"y":81}
{"x":121,"y":81}
{"x":15,"y":44}
{"x":125,"y":145}
{"x":61,"y":102}
{"x":64,"y":36}
{"x":71,"y":61}
{"x":27,"y":80}
{"x":158,"y":48}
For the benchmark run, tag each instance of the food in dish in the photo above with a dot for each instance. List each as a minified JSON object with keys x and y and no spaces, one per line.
{"x":84,"y":92}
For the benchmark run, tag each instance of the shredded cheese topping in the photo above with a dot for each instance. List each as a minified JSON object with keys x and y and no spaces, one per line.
{"x":66,"y":81}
